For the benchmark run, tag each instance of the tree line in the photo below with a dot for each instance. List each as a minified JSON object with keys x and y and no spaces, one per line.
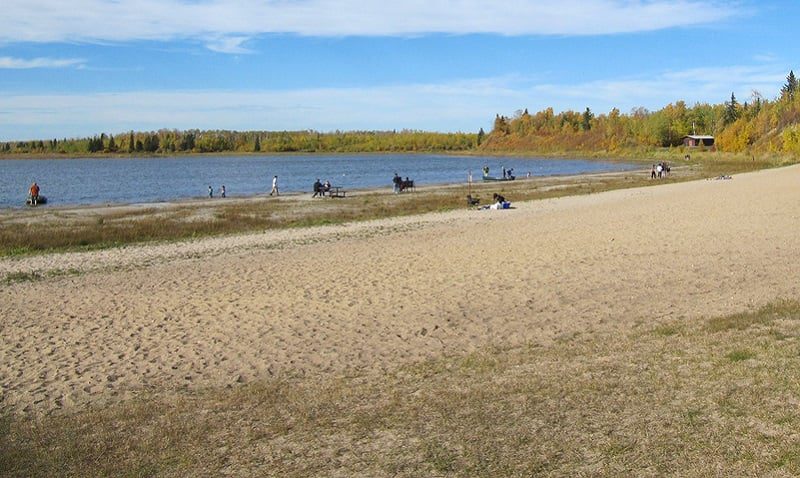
{"x":220,"y":141}
{"x":757,"y":125}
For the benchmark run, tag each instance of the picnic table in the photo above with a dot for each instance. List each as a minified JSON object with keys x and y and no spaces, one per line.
{"x":336,"y":192}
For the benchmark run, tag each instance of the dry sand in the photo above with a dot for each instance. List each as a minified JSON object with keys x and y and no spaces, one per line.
{"x":365,"y":297}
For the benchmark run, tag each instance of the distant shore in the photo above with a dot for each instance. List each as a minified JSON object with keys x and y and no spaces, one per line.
{"x":671,"y":154}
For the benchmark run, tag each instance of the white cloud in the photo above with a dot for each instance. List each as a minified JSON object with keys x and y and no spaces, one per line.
{"x":228,"y":45}
{"x":7,"y":62}
{"x":224,"y":24}
{"x":711,"y":85}
{"x":456,"y":106}
{"x":465,"y":106}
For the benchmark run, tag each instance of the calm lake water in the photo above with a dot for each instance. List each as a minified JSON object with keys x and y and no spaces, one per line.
{"x":137,"y":180}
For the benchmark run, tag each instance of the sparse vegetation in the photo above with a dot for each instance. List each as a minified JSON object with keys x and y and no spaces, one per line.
{"x":702,"y":402}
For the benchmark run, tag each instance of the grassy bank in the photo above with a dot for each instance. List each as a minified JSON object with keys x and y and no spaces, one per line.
{"x":43,"y":230}
{"x":715,"y":397}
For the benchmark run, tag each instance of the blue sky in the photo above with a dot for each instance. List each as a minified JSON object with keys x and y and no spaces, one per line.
{"x":79,"y":68}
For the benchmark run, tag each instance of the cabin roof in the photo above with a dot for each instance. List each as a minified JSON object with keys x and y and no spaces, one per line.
{"x":699,"y":136}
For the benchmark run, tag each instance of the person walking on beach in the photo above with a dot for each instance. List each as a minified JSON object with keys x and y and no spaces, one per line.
{"x":653,"y":172}
{"x":274,"y":186}
{"x":222,"y":191}
{"x":210,"y":191}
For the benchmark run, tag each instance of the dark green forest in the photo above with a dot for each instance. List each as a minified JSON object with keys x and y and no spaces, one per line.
{"x":196,"y":141}
{"x":756,"y":125}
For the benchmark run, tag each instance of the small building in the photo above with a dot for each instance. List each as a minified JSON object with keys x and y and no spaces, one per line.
{"x":694,"y":140}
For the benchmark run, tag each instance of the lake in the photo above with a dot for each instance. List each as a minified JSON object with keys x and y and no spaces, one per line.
{"x":83,"y":181}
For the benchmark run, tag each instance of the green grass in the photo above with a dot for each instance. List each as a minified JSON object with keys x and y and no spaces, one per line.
{"x":34,"y":276}
{"x":761,"y":317}
{"x":15,"y":277}
{"x":740,"y":355}
{"x":654,"y":401}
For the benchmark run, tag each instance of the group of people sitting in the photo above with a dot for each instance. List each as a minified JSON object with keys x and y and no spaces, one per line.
{"x":498,"y":202}
{"x":320,"y":189}
{"x":659,"y":170}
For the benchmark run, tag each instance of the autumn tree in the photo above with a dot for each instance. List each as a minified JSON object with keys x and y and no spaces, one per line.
{"x":500,"y":125}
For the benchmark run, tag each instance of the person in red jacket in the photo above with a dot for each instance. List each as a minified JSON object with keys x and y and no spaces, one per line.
{"x":34,"y":192}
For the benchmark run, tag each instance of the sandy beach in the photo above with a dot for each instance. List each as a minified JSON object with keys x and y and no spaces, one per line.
{"x":365,"y":297}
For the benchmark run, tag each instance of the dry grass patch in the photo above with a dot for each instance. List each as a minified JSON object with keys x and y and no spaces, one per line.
{"x":674,"y":399}
{"x":26,"y":232}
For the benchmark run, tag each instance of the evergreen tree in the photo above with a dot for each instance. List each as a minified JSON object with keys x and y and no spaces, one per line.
{"x":481,"y":134}
{"x":257,"y":146}
{"x":790,"y":87}
{"x":94,"y":144}
{"x":131,"y":143}
{"x":731,"y":110}
{"x":112,"y":145}
{"x":586,"y":124}
{"x":187,"y":142}
{"x":151,"y":143}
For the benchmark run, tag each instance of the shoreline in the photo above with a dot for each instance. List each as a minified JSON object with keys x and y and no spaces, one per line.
{"x":33,"y":231}
{"x":455,"y":172}
{"x":632,"y":155}
{"x":243,"y":199}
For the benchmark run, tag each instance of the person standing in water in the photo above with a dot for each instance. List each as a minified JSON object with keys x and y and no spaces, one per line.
{"x":274,"y":186}
{"x":34,"y":193}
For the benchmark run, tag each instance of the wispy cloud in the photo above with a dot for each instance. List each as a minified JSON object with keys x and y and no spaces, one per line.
{"x":7,"y":62}
{"x":233,"y":44}
{"x":453,"y":106}
{"x":225,"y":24}
{"x":713,"y":85}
